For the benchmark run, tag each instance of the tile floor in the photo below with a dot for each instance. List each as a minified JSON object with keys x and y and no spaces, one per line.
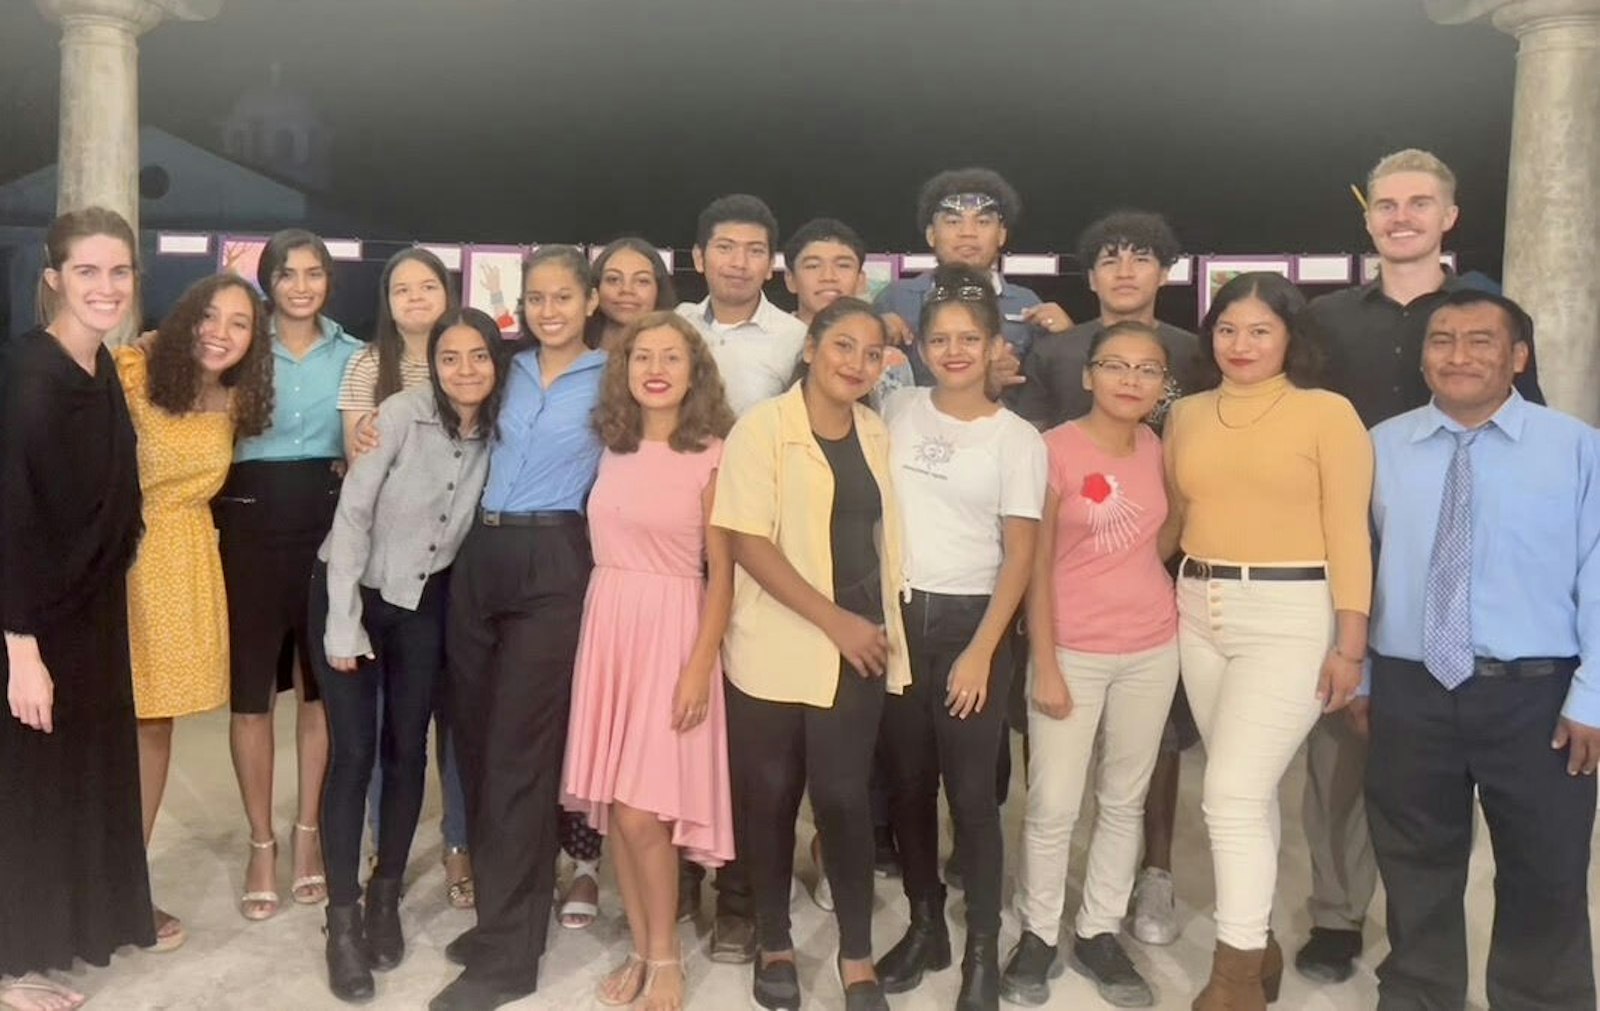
{"x":198,"y":857}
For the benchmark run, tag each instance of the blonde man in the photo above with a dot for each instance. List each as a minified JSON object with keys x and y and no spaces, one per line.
{"x":1373,"y":333}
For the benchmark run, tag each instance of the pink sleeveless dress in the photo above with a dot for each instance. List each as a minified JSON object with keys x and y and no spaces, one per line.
{"x":640,"y":620}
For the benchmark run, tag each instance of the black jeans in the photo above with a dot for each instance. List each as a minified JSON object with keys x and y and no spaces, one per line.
{"x":408,"y":664}
{"x":1429,"y":749}
{"x":921,"y":741}
{"x":776,"y":748}
{"x":516,"y":604}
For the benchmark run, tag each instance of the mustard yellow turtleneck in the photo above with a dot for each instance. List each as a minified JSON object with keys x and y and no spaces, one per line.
{"x":1271,"y":473}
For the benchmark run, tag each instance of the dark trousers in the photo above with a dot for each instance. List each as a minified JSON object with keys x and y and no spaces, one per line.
{"x":776,"y":748}
{"x":921,"y":740}
{"x":733,"y":878}
{"x":403,"y":678}
{"x":516,"y":603}
{"x":1429,"y":749}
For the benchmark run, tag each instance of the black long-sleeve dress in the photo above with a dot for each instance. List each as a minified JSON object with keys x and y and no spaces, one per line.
{"x":73,"y":879}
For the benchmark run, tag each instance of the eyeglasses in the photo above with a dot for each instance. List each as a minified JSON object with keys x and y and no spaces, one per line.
{"x":959,"y":293}
{"x":1116,"y":368}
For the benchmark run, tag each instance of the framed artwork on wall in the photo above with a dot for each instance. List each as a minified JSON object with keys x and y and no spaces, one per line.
{"x":491,"y":280}
{"x":1216,"y":271}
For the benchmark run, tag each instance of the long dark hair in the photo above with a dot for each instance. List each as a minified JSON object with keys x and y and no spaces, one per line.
{"x":386,"y":337}
{"x":1302,"y":359}
{"x":704,"y":414}
{"x":666,"y":293}
{"x":175,"y":374}
{"x":499,"y":354}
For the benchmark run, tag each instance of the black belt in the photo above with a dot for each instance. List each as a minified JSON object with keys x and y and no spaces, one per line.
{"x":544,"y":518}
{"x":1196,"y":569}
{"x":1517,"y":670}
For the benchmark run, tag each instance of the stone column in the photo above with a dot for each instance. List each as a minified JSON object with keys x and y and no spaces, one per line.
{"x":98,"y":154}
{"x":1552,"y":260}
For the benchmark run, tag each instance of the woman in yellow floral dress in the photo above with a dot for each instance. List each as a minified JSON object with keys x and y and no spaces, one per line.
{"x":201,"y":381}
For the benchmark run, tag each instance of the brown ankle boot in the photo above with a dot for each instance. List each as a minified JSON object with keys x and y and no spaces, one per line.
{"x":1235,"y":983}
{"x":1271,"y":969}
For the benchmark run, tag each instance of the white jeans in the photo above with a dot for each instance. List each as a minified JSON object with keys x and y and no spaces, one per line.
{"x":1129,"y":694}
{"x":1252,"y":655}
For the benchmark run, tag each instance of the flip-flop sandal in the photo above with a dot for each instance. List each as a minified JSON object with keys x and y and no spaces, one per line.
{"x":656,"y":965}
{"x":170,"y":934}
{"x":33,"y":983}
{"x":634,"y":967}
{"x":575,"y":913}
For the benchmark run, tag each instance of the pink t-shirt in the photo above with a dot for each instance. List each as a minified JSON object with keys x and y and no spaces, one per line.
{"x":1112,"y":593}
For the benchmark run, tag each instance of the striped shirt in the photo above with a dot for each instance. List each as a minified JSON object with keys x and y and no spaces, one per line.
{"x":359,"y":389}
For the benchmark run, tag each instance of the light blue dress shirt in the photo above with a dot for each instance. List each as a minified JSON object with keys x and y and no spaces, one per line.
{"x":548,"y":453}
{"x":1535,"y":537}
{"x":305,"y":401}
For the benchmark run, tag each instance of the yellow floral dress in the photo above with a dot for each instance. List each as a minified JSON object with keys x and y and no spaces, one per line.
{"x":177,"y":609}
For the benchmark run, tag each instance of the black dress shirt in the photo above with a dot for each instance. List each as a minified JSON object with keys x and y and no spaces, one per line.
{"x":1374,"y":349}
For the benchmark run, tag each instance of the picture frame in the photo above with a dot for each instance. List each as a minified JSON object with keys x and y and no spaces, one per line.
{"x":1215,"y":271}
{"x":491,"y":281}
{"x":878,"y":271}
{"x":240,"y":255}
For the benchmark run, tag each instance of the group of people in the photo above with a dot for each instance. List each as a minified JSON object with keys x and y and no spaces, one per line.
{"x":656,"y":574}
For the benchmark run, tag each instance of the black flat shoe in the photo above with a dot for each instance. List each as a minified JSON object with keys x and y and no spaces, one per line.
{"x":470,"y":993}
{"x":1329,"y":956}
{"x":775,"y":985}
{"x":866,"y":995}
{"x":463,"y":949}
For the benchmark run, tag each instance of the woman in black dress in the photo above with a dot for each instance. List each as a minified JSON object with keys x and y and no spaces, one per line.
{"x":73,"y":882}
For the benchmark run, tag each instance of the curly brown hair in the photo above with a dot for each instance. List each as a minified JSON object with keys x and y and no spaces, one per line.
{"x":175,"y":373}
{"x":704,"y":414}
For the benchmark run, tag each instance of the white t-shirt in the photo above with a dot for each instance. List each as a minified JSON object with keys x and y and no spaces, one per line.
{"x":957,"y":481}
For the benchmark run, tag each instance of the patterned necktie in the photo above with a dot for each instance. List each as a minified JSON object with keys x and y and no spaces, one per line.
{"x":1447,"y":608}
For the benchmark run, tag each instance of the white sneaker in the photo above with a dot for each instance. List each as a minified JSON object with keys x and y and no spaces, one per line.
{"x":1155,"y":916}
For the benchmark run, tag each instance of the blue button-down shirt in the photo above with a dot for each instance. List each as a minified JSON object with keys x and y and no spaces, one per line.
{"x":305,"y":401}
{"x":905,"y":298}
{"x":1535,"y":537}
{"x":548,"y":452}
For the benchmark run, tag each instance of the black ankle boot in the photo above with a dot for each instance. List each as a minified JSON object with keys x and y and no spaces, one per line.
{"x":980,"y":974}
{"x":384,"y":940}
{"x":925,"y":948}
{"x":348,"y":975}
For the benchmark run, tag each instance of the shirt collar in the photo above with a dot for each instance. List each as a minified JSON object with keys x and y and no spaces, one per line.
{"x":1374,"y":288}
{"x":1509,"y":419}
{"x":794,"y":423}
{"x":528,"y":361}
{"x":327,"y":330}
{"x":760,"y":319}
